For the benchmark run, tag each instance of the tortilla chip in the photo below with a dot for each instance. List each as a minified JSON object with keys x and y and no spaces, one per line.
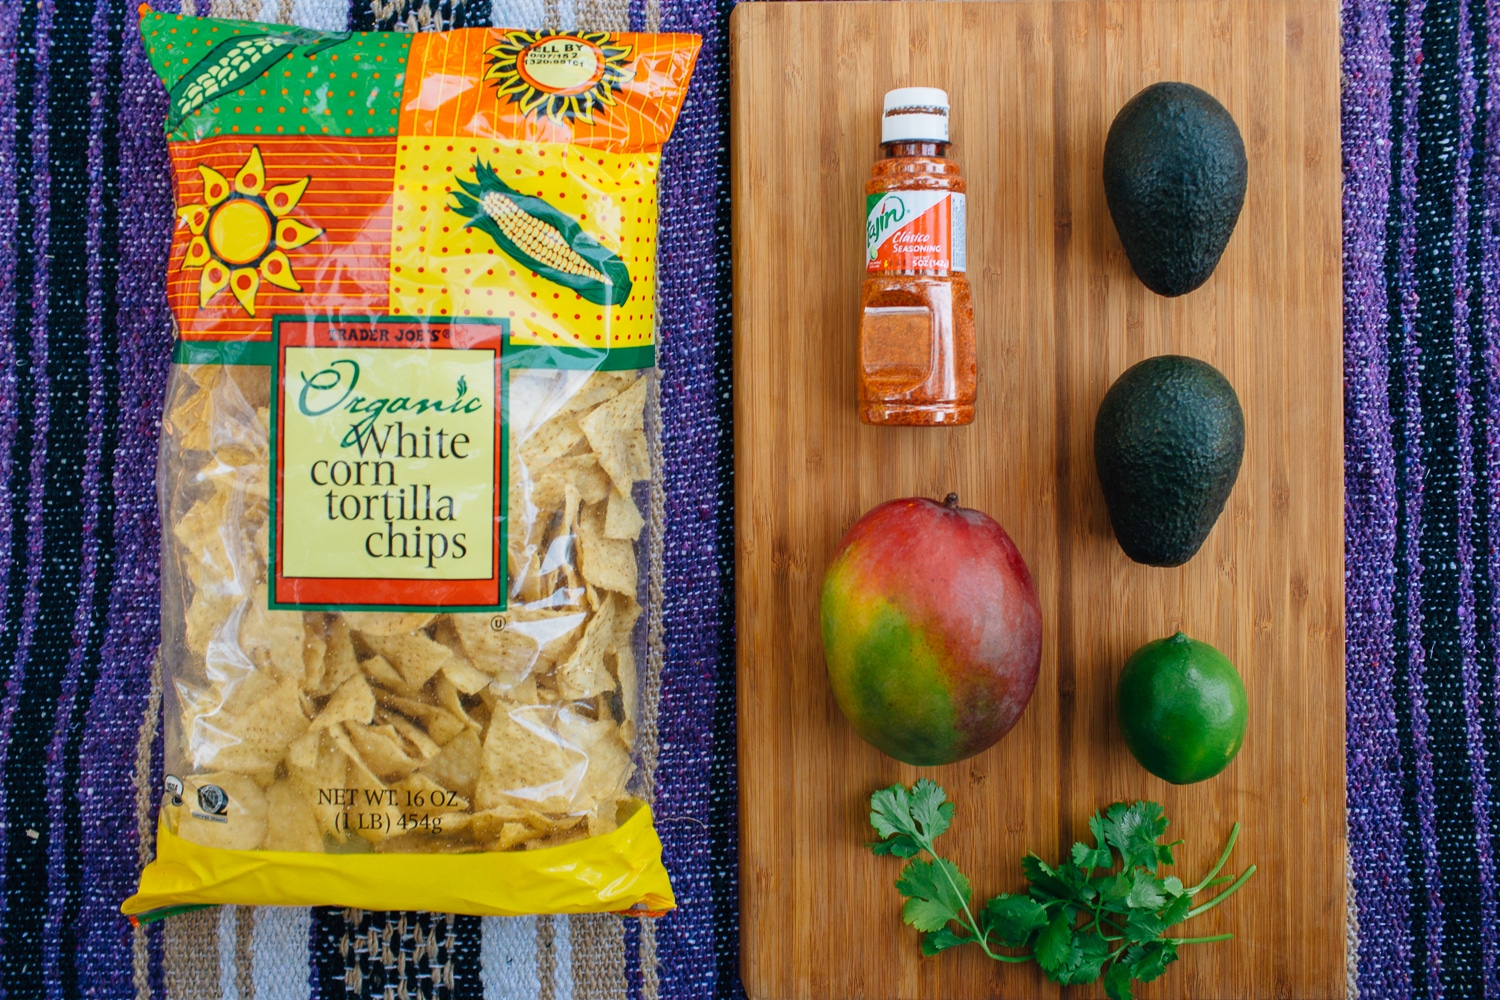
{"x":292,"y":820}
{"x":190,"y":420}
{"x":551,"y":441}
{"x":607,"y":563}
{"x":582,"y":472}
{"x":387,"y":623}
{"x":317,"y":767}
{"x":438,"y":722}
{"x":314,"y":653}
{"x":415,"y":738}
{"x":274,"y":640}
{"x":207,"y":614}
{"x":354,"y":701}
{"x":367,"y":795}
{"x":329,"y":656}
{"x":557,"y":839}
{"x":250,"y":729}
{"x":609,"y":764}
{"x":530,"y":641}
{"x":526,"y":762}
{"x":383,"y":751}
{"x":206,"y":536}
{"x":600,"y":387}
{"x":249,"y":387}
{"x":584,"y":673}
{"x":616,"y":433}
{"x":449,"y":698}
{"x":621,"y":518}
{"x":222,"y":809}
{"x":456,"y":766}
{"x":625,"y":674}
{"x":379,"y":670}
{"x":507,"y":827}
{"x":416,"y":657}
{"x":464,"y":677}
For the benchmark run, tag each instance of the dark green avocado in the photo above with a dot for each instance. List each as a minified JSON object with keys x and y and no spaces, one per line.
{"x":1167,"y":444}
{"x":1174,"y":177}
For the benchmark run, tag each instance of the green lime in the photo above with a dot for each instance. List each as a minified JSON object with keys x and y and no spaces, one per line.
{"x":1181,"y":705}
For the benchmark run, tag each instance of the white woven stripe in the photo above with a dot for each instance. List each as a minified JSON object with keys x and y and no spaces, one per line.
{"x":229,"y":986}
{"x":507,"y":958}
{"x":321,"y":14}
{"x":562,"y":958}
{"x":283,"y":953}
{"x":517,"y":13}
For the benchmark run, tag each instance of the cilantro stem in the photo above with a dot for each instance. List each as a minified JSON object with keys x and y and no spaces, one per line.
{"x":972,"y":925}
{"x":1199,"y":940}
{"x":1234,"y":835}
{"x":1235,"y":887}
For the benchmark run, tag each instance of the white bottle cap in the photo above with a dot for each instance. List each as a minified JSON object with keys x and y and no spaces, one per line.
{"x":915,"y":114}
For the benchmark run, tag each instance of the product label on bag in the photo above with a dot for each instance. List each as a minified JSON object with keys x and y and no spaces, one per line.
{"x":915,"y":231}
{"x":387,"y":445}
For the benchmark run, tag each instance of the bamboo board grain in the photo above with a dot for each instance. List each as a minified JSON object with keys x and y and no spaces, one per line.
{"x":1034,"y":87}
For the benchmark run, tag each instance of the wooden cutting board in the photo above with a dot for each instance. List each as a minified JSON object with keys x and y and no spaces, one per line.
{"x":1034,"y":86}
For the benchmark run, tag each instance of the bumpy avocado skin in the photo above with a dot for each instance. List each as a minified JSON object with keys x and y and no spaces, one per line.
{"x":1174,"y":177}
{"x":1168,"y":441}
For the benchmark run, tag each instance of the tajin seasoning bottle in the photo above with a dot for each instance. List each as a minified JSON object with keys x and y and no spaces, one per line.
{"x":916,"y":330}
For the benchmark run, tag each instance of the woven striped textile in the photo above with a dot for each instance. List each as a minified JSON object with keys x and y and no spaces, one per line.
{"x":85,"y":337}
{"x":85,"y":211}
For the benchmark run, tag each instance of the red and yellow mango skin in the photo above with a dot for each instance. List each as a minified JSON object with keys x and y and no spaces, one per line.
{"x":931,"y":630}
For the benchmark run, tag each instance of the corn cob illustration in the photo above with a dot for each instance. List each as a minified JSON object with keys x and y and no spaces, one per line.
{"x":541,"y":237}
{"x":236,"y":61}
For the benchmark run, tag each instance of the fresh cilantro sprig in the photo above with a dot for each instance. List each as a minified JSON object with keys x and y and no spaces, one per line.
{"x":1081,"y":919}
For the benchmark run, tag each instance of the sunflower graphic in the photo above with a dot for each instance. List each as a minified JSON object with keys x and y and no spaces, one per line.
{"x":241,"y":233}
{"x":563,"y":76}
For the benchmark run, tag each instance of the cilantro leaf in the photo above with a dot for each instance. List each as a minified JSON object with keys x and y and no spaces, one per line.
{"x":1134,"y":831}
{"x":1153,"y":960}
{"x":938,"y":891}
{"x":1090,"y":950}
{"x":1146,"y":894}
{"x":930,"y":808}
{"x":901,"y":845}
{"x":1114,"y":889}
{"x":1045,"y":881}
{"x":890,"y":812}
{"x":1054,"y":945}
{"x":1143,"y":926}
{"x":908,"y":822}
{"x":1177,"y":910}
{"x":1097,"y":856}
{"x":941,"y":940}
{"x":1013,"y":919}
{"x":1117,"y":982}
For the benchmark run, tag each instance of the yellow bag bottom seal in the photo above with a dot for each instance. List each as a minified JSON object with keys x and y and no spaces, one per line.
{"x":620,"y":871}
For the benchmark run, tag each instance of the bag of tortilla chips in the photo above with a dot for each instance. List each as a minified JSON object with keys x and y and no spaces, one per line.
{"x":404,"y":471}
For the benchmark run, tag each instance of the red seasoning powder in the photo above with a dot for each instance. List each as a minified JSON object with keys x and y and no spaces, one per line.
{"x":916,"y":330}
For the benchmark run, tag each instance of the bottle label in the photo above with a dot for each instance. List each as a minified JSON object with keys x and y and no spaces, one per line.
{"x":915,"y":231}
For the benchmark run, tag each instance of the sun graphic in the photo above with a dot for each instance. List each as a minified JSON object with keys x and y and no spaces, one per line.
{"x":562,"y":76}
{"x":241,"y":233}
